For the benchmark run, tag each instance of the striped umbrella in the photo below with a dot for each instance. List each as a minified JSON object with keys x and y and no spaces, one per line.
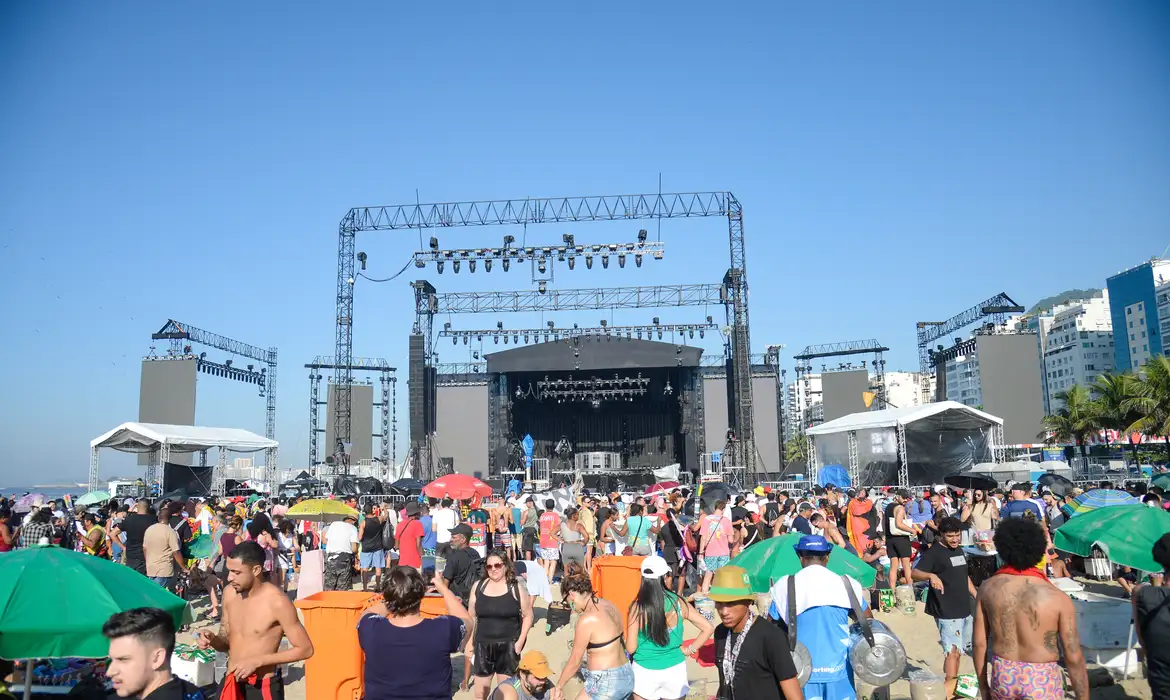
{"x":1101,"y":498}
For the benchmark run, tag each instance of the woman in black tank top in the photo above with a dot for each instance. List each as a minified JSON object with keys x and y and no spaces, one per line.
{"x":503,"y":616}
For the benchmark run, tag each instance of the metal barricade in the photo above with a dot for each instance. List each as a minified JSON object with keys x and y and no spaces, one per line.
{"x":379,"y":498}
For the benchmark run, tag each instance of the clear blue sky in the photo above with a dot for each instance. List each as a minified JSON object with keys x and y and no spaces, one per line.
{"x":170,"y":160}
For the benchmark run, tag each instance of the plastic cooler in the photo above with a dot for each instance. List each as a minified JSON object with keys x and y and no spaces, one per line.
{"x":334,"y":672}
{"x":617,"y":579}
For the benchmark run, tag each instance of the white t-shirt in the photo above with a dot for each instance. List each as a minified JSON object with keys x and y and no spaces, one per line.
{"x":444,"y":520}
{"x":204,"y":520}
{"x":339,"y":538}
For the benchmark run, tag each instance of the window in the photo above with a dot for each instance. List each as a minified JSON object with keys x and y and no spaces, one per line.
{"x":1090,"y":368}
{"x":1145,"y":349}
{"x":1086,"y":345}
{"x":1084,"y":334}
{"x":1131,"y":337}
{"x":1129,"y":312}
{"x":1143,"y":334}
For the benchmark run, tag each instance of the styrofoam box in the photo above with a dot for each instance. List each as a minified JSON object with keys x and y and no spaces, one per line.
{"x":1102,"y":621}
{"x":1114,"y":659}
{"x":198,"y":673}
{"x":1099,"y":568}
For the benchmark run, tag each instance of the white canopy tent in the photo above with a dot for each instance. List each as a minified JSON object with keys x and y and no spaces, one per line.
{"x":160,"y":440}
{"x":945,"y":435}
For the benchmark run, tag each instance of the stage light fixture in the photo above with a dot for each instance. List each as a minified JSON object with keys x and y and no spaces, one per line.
{"x":506,"y":265}
{"x":471,"y":266}
{"x":605,"y":261}
{"x":568,"y":239}
{"x":550,"y":324}
{"x":362,"y":259}
{"x":515,"y":339}
{"x":572,"y":263}
{"x":639,"y":335}
{"x":518,"y":392}
{"x":499,"y":325}
{"x":439,"y":266}
{"x":505,"y":340}
{"x":202,"y":356}
{"x":540,"y":266}
{"x":509,"y":239}
{"x":487,"y":265}
{"x":691,"y":332}
{"x":475,"y":355}
{"x":589,"y":262}
{"x":701,"y":333}
{"x":656,"y":320}
{"x":434,"y":243}
{"x":227,"y":363}
{"x":454,"y":340}
{"x":660,"y":335}
{"x":638,"y":260}
{"x":542,"y":287}
{"x":621,"y":260}
{"x":525,"y":338}
{"x":479,"y":338}
{"x":496,"y":338}
{"x":642,"y":235}
{"x":455,"y":266}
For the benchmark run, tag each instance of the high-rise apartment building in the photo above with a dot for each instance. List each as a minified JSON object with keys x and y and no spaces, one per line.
{"x":905,"y":389}
{"x":1077,"y":348}
{"x":1137,"y":328}
{"x":801,"y":395}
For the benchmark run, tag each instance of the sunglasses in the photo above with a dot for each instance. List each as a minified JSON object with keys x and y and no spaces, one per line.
{"x":492,"y":567}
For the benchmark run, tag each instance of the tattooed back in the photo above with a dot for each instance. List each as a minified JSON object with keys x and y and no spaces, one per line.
{"x":1024,"y":617}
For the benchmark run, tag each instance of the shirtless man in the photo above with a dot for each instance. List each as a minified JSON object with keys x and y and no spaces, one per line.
{"x":832,"y":534}
{"x":256,"y":615}
{"x":1022,"y":623}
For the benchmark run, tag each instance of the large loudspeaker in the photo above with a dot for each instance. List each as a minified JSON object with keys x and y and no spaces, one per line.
{"x":731,"y":398}
{"x":416,"y":381}
{"x":431,"y":399}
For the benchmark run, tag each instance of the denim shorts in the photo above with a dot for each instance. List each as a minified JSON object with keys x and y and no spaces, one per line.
{"x":609,"y":684}
{"x":372,"y":560}
{"x":167,"y":582}
{"x":956,"y":634}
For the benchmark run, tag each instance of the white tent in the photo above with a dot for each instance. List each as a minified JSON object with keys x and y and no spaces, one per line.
{"x":951,"y":412}
{"x":160,"y":440}
{"x":904,"y":446}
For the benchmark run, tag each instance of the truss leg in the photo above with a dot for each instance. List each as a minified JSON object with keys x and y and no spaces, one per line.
{"x":385,"y":415}
{"x":270,"y":468}
{"x":344,"y":337}
{"x":93,"y":469}
{"x":853,"y":462}
{"x":219,"y":478}
{"x":903,"y":463}
{"x":813,"y":464}
{"x":270,"y":396}
{"x":314,"y":417}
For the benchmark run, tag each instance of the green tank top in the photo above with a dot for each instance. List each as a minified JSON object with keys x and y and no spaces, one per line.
{"x":652,"y":657}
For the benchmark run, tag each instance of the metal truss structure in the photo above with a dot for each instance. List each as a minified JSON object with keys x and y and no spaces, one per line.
{"x":849,"y":347}
{"x":388,"y":404}
{"x":552,"y":333}
{"x":996,"y":309}
{"x":181,"y":335}
{"x":527,"y":300}
{"x":733,"y":294}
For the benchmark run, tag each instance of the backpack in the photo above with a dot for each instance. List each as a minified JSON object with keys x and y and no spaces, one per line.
{"x":388,"y":536}
{"x":691,"y":539}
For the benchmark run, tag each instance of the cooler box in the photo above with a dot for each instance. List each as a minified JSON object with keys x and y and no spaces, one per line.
{"x":1099,"y":568}
{"x":617,"y":579}
{"x":334,"y":672}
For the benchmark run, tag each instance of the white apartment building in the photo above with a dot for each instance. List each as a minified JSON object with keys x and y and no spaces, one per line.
{"x":1162,"y":298}
{"x":963,"y":382}
{"x":905,"y":389}
{"x":800,"y":396}
{"x":1077,"y":348}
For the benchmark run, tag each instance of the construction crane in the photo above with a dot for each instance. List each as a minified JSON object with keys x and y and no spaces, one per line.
{"x":997,"y":307}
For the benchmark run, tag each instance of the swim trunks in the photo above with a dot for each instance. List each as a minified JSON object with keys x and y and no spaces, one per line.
{"x":1019,"y":680}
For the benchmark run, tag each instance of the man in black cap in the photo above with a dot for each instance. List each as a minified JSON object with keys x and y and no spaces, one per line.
{"x":1151,"y":614}
{"x":800,"y":523}
{"x":462,"y":569}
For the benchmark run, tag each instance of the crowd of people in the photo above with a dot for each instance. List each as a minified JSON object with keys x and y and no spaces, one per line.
{"x":488,"y":562}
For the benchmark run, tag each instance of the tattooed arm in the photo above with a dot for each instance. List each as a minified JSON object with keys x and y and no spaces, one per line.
{"x":1074,"y":659}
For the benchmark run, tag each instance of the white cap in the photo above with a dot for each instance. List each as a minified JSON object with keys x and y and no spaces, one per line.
{"x":654,"y":567}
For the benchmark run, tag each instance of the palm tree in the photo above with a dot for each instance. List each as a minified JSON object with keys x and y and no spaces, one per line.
{"x":1073,"y":422}
{"x":1111,"y":391}
{"x":1151,"y":400}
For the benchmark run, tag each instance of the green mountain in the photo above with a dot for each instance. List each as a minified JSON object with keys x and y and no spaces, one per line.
{"x":1071,"y":295}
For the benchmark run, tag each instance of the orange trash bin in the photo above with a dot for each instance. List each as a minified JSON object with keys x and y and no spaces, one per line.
{"x":334,"y":672}
{"x":617,"y":579}
{"x":433,"y":606}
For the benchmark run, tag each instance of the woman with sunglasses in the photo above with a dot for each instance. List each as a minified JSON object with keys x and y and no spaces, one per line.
{"x":502,"y":614}
{"x":608,"y":672}
{"x":980,"y":513}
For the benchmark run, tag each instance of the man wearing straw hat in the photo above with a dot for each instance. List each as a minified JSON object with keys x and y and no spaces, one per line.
{"x":752,"y":654}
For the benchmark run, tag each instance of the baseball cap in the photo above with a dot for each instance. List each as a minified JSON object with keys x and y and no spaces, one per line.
{"x":413,"y":508}
{"x":804,"y":507}
{"x":654,"y":567}
{"x":536,"y":663}
{"x":813,"y":543}
{"x":1025,"y":486}
{"x":461,"y":529}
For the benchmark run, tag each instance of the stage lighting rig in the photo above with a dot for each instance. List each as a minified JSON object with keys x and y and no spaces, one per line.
{"x":603,"y":329}
{"x":542,"y":255}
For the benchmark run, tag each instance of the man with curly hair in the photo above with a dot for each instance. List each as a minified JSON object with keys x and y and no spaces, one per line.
{"x":1022,"y":623}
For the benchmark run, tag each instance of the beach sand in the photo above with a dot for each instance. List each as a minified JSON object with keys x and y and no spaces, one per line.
{"x":918,"y":634}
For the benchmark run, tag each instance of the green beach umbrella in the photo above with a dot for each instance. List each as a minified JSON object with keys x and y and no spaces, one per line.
{"x":767,"y":561}
{"x":93,"y":497}
{"x":1125,"y":533}
{"x":53,"y":602}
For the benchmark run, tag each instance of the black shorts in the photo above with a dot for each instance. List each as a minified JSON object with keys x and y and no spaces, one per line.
{"x":492,"y":658}
{"x":270,"y":688}
{"x":899,"y":547}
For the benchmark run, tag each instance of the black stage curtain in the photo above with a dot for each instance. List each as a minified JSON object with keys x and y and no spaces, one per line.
{"x":194,"y":481}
